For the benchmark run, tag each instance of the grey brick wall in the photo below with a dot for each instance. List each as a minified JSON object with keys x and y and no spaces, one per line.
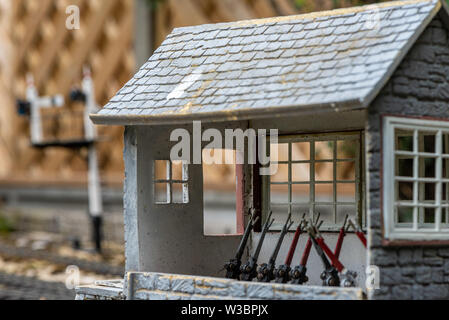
{"x":419,"y":87}
{"x":156,"y":286}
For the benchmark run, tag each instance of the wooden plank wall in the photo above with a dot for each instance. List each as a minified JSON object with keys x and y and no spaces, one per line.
{"x":41,"y":45}
{"x":178,"y":13}
{"x":6,"y":114}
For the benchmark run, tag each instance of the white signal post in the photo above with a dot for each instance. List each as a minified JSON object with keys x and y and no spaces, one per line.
{"x":36,"y":104}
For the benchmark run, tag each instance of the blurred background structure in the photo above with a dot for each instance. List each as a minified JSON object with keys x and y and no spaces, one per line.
{"x":43,"y":192}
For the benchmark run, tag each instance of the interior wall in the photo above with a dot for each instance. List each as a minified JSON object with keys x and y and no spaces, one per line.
{"x":169,"y":238}
{"x":353,"y":254}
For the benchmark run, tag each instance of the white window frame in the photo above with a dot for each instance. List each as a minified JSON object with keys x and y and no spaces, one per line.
{"x":414,"y":233}
{"x":358,"y":180}
{"x":170,"y":182}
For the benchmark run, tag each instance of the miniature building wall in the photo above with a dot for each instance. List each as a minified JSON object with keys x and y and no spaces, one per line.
{"x":418,"y":88}
{"x":165,"y":238}
{"x":158,"y":286}
{"x":101,"y":290}
{"x":170,"y":238}
{"x":154,"y":286}
{"x":353,"y":254}
{"x":34,"y":39}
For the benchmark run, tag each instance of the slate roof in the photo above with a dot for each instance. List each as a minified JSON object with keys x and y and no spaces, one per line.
{"x":335,"y":59}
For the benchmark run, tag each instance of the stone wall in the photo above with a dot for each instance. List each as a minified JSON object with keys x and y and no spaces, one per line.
{"x":101,"y":290}
{"x":157,"y":286}
{"x":419,"y":87}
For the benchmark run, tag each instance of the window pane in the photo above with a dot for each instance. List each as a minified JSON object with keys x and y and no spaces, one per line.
{"x":180,"y":171}
{"x":404,"y":140}
{"x":445,"y":171}
{"x":346,"y":170}
{"x":405,"y":214}
{"x":324,"y":193}
{"x":301,"y":151}
{"x":324,"y":171}
{"x":427,"y":192}
{"x":161,"y":193}
{"x":324,"y":150}
{"x":405,"y":191}
{"x":445,"y":143}
{"x":445,"y":191}
{"x":279,"y":193}
{"x":427,"y":167}
{"x":282,"y":173}
{"x":426,"y":142}
{"x":346,"y":192}
{"x":282,"y":152}
{"x":422,"y":167}
{"x":300,"y":193}
{"x":280,"y":213}
{"x":180,"y":193}
{"x":327,"y":213}
{"x":161,"y":169}
{"x":298,"y":189}
{"x":445,"y":215}
{"x":342,"y":211}
{"x":429,"y":215}
{"x":426,"y":218}
{"x":404,"y":167}
{"x":298,"y":210}
{"x":347,"y":149}
{"x":301,"y":172}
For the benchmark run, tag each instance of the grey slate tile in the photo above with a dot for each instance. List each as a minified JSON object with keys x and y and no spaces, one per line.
{"x":299,"y":60}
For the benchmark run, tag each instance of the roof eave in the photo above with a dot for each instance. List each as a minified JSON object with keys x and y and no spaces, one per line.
{"x":233,"y":115}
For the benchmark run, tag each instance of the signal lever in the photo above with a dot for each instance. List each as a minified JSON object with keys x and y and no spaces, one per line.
{"x":233,"y":266}
{"x":330,"y":275}
{"x":358,"y":232}
{"x":282,"y":273}
{"x":265,"y":272}
{"x":249,"y":270}
{"x":299,"y":274}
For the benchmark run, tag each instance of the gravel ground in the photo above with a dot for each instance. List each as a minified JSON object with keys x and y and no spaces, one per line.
{"x":34,"y":269}
{"x":14,"y":287}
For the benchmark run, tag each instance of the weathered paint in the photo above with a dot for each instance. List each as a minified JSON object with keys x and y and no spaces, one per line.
{"x":157,"y":286}
{"x":166,"y":238}
{"x":418,"y":88}
{"x":160,"y":226}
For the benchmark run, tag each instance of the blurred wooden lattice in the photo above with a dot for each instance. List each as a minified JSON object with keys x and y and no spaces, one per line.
{"x":170,"y":14}
{"x":6,"y":126}
{"x":34,"y":39}
{"x":40,"y":44}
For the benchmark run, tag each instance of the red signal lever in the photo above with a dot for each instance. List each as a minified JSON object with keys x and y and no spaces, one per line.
{"x":358,"y":232}
{"x":319,"y":239}
{"x":348,"y":277}
{"x":298,"y":275}
{"x":341,"y":237}
{"x":291,"y":251}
